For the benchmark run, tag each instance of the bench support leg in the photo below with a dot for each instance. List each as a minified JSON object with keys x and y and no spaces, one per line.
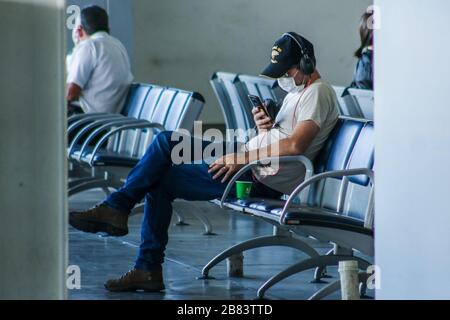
{"x":336,"y":285}
{"x":321,"y":272}
{"x":181,"y":220}
{"x":197,"y":211}
{"x":92,"y":183}
{"x":76,"y":170}
{"x":266,"y":241}
{"x":87,"y":185}
{"x":106,"y":191}
{"x":314,"y":262}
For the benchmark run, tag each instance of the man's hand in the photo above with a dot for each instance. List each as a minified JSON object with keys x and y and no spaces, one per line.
{"x":263,"y":122}
{"x":227,"y":165}
{"x":73,"y":92}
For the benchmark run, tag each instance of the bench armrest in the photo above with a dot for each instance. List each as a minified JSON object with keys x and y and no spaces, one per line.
{"x":333,"y":174}
{"x":109,"y":124}
{"x":99,"y":124}
{"x":104,"y":138}
{"x":302,"y":159}
{"x":88,"y":118}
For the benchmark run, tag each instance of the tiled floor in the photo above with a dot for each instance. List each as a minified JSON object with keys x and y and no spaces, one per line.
{"x":101,"y":258}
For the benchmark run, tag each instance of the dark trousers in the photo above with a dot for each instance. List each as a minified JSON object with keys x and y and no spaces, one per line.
{"x":159,"y":181}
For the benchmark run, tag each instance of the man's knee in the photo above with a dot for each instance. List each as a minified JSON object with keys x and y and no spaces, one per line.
{"x":164,"y":136}
{"x":163,"y":140}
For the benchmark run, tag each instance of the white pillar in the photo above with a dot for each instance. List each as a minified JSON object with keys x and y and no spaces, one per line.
{"x":412,"y":116}
{"x":33,"y":218}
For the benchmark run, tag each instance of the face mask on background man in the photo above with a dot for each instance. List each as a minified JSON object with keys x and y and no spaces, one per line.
{"x":75,"y":36}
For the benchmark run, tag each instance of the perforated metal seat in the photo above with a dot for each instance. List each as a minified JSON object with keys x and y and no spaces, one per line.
{"x":171,"y":108}
{"x":132,"y":109}
{"x":339,"y":209}
{"x":120,"y":143}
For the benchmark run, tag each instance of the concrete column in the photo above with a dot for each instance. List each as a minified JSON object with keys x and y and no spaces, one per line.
{"x":412,"y":115}
{"x":33,"y":218}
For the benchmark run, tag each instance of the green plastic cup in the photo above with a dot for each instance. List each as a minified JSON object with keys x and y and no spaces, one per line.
{"x":243,"y":189}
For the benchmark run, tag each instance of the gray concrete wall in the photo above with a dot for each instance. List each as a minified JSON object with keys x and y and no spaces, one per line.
{"x":181,"y":43}
{"x":33,"y":220}
{"x":412,"y":219}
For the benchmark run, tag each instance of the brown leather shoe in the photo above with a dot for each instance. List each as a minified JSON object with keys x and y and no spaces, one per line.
{"x":101,"y":218}
{"x":134,"y":280}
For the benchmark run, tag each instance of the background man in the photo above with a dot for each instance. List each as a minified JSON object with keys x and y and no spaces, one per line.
{"x":99,"y":72}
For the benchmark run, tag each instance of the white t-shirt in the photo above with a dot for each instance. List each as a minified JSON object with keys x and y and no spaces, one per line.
{"x":318,"y":102}
{"x":100,"y":67}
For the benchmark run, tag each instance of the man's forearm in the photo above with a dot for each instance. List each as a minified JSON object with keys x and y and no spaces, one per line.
{"x":284,"y":147}
{"x":294,"y":145}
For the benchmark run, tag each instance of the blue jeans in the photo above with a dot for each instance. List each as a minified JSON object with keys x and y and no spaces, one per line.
{"x":157,"y":179}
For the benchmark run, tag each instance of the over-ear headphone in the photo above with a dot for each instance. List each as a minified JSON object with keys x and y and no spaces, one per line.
{"x":307,"y":64}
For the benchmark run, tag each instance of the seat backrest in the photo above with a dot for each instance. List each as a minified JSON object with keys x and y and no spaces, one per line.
{"x":127,"y":140}
{"x":239,"y":107}
{"x":151,"y":102}
{"x":341,"y":102}
{"x":334,"y":156}
{"x":224,"y":101}
{"x":157,"y":109}
{"x":346,"y":104}
{"x":172,"y":108}
{"x":364,"y":99}
{"x":359,"y":188}
{"x":264,"y":88}
{"x":236,"y":112}
{"x":135,"y":99}
{"x":185,"y":110}
{"x":337,"y":150}
{"x":134,"y":105}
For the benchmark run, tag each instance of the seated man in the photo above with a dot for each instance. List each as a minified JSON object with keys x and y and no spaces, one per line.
{"x":303,"y":124}
{"x":99,"y":73}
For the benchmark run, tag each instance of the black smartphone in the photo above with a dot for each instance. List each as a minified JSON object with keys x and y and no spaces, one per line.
{"x":257,"y":103}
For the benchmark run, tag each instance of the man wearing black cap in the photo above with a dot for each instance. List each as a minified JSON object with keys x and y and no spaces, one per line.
{"x":306,"y":118}
{"x":302,"y":126}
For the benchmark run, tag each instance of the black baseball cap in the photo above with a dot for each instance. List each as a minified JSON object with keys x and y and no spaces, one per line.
{"x":286,"y":53}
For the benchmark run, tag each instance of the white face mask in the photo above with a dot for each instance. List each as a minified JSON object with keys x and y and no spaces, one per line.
{"x":75,"y":38}
{"x":288,"y":84}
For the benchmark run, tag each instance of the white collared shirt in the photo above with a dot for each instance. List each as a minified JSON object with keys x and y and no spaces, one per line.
{"x":100,"y":67}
